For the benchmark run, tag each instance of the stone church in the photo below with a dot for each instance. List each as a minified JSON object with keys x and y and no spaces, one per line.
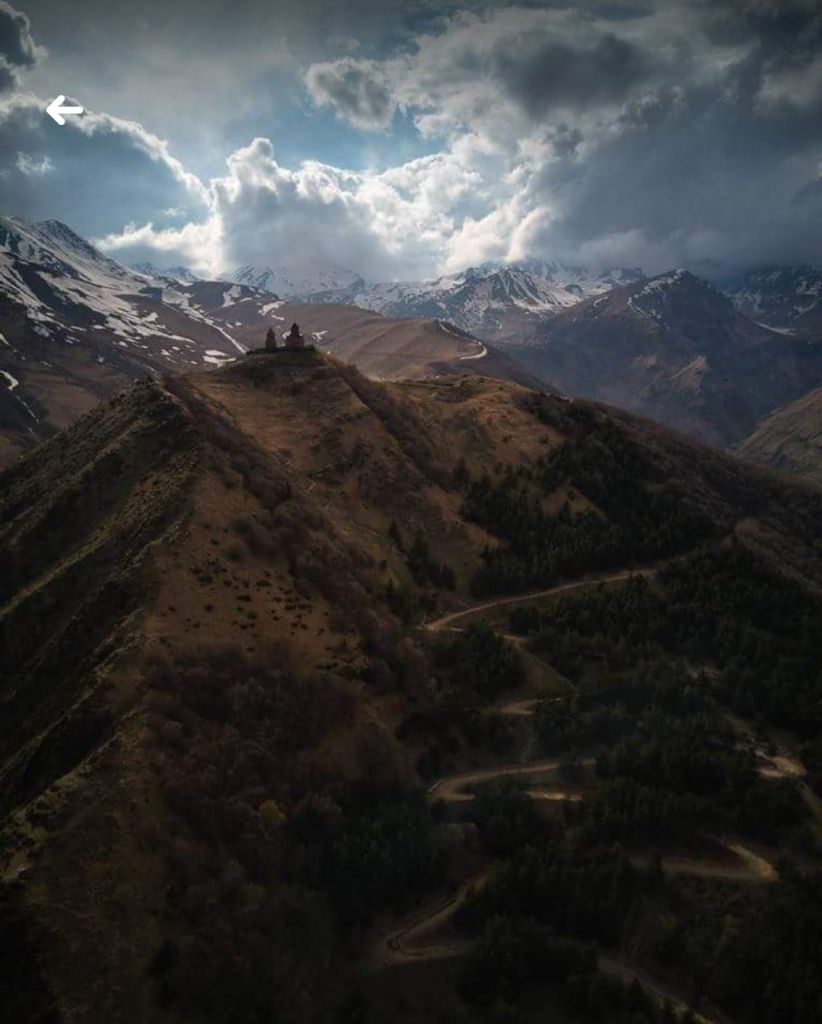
{"x":291,"y":340}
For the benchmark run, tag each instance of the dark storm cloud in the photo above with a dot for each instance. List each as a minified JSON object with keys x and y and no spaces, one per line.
{"x":16,"y":43}
{"x":781,"y":26}
{"x":18,"y":50}
{"x":693,"y":178}
{"x":539,"y":60}
{"x":543,"y":75}
{"x":643,"y":131}
{"x":784,"y":37}
{"x":356,"y":89}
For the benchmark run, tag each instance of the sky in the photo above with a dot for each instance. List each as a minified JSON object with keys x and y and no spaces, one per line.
{"x":404,"y":139}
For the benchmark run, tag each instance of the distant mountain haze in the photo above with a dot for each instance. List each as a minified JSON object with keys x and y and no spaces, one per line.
{"x":495,"y":301}
{"x":789,"y":297}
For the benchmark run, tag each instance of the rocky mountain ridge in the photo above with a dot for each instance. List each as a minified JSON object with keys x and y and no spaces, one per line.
{"x":784,"y":297}
{"x":676,"y":349}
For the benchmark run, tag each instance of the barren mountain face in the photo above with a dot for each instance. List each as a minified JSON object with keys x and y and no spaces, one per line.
{"x":790,"y":438}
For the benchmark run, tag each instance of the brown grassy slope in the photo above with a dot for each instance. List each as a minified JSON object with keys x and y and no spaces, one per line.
{"x":93,"y":520}
{"x":251,"y":510}
{"x":80,"y":516}
{"x":248,"y":508}
{"x":790,"y":438}
{"x":383,"y":347}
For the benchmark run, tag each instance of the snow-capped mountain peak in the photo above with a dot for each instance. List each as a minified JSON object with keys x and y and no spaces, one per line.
{"x":498,"y":302}
{"x":177,"y":273}
{"x":494,"y":300}
{"x":311,"y":278}
{"x":679,"y":292}
{"x":53,"y":245}
{"x":75,"y":325}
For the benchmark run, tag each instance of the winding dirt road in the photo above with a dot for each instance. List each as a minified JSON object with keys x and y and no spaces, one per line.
{"x":748,"y":866}
{"x":524,"y":707}
{"x":408,"y":941}
{"x":627,"y":972}
{"x":448,"y":621}
{"x":452,"y":789}
{"x":421,"y":938}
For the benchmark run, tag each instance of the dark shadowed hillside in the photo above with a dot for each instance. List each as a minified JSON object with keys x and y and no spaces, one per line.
{"x":222,"y":707}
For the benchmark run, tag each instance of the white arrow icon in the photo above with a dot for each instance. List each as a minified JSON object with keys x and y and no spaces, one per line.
{"x":56,"y":110}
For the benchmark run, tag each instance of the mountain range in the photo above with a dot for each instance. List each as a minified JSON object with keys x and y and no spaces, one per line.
{"x":176,"y":273}
{"x":787,"y":297}
{"x":508,"y":302}
{"x":676,"y":349}
{"x":495,"y":301}
{"x":76,"y":326}
{"x":311,"y":279}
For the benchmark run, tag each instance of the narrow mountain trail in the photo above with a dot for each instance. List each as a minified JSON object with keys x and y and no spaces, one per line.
{"x":778,"y":760}
{"x":537,"y":668}
{"x":447,"y":621}
{"x":452,"y":788}
{"x":523,"y":707}
{"x":418,"y":941}
{"x":748,"y":867}
{"x":417,"y":938}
